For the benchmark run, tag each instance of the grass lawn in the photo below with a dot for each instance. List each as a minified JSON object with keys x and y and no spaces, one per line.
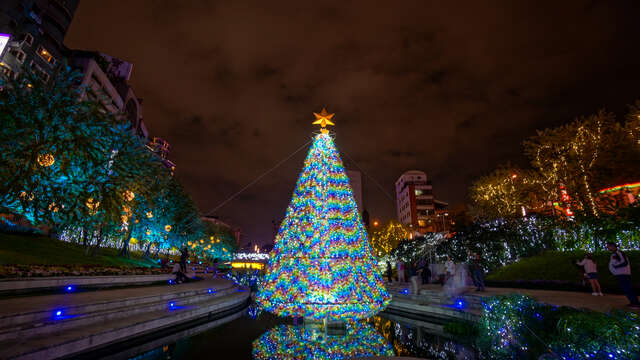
{"x":41,"y":250}
{"x":560,"y":267}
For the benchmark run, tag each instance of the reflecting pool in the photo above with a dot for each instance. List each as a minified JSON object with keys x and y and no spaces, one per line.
{"x":259,"y":335}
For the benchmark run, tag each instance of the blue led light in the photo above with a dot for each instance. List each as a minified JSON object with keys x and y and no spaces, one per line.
{"x":170,"y":281}
{"x":59,"y":313}
{"x":210,"y":291}
{"x":172,"y":304}
{"x":69,"y":288}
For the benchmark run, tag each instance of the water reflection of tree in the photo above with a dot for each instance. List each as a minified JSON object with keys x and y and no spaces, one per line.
{"x":407,"y":340}
{"x":296,"y":342}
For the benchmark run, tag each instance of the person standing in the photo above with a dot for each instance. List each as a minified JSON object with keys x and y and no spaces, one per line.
{"x":477,"y":273}
{"x":389,"y":271}
{"x":400,"y":269}
{"x":591,"y":269}
{"x":214,"y":268}
{"x":413,"y":277}
{"x":184,"y":255}
{"x":621,"y":269}
{"x":426,"y":273}
{"x":449,"y":270}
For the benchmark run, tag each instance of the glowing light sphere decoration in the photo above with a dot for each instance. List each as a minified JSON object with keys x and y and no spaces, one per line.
{"x":296,"y":342}
{"x":46,"y":160}
{"x":321,"y":265}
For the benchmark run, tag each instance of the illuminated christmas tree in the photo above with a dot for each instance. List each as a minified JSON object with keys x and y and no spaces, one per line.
{"x":321,"y":266}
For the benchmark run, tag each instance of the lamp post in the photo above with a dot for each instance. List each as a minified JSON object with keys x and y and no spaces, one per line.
{"x":443,"y":224}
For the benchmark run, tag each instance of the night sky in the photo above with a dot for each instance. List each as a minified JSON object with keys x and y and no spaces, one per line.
{"x":451,"y":89}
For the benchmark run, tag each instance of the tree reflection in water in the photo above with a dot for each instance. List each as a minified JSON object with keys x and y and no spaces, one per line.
{"x":296,"y":342}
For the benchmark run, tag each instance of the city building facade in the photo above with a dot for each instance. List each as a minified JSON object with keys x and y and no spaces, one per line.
{"x":105,"y":79}
{"x":416,"y":206}
{"x":33,"y":32}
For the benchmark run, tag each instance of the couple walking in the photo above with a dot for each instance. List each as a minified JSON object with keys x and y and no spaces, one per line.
{"x":619,"y":267}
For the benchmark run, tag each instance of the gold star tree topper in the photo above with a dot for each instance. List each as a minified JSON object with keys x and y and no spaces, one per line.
{"x":323,"y":119}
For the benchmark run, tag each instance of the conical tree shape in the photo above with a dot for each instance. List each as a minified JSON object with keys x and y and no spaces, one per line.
{"x":321,"y":265}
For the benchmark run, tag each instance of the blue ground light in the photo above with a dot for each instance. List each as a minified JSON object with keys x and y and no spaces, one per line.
{"x":58,"y":314}
{"x":174,"y":306}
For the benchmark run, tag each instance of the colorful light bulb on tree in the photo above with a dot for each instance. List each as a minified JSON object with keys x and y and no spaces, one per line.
{"x":321,"y":265}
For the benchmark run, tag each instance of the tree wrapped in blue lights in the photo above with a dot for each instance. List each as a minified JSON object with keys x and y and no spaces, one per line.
{"x":321,"y":265}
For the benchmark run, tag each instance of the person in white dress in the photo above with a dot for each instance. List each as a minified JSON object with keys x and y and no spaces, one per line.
{"x":449,"y":269}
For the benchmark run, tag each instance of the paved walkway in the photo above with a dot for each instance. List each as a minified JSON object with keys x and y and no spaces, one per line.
{"x":44,"y":302}
{"x":560,"y":298}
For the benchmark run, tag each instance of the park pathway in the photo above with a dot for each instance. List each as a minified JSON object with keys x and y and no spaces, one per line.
{"x":581,"y":300}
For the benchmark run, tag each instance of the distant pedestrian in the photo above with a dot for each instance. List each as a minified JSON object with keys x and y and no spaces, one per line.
{"x":477,"y":273}
{"x":400,"y":269}
{"x":449,"y":270}
{"x":621,"y":268}
{"x":413,"y":277}
{"x":389,"y":271}
{"x":177,"y":271}
{"x":591,"y":270}
{"x":184,"y":255}
{"x":214,"y":268}
{"x":426,"y":273}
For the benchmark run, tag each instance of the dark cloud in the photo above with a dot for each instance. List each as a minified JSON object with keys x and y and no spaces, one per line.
{"x":451,"y":88}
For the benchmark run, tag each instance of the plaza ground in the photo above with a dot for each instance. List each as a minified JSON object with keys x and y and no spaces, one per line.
{"x":580,"y":300}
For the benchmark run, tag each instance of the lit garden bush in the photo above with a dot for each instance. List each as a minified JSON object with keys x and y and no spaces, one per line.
{"x":517,"y":326}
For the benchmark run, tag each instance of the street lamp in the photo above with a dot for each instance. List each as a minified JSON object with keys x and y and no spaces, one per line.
{"x":443,"y":225}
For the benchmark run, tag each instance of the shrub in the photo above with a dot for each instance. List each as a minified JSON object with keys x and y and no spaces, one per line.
{"x":560,"y":268}
{"x":517,"y":326}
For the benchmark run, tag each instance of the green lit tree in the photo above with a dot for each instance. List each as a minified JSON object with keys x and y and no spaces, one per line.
{"x":67,"y":164}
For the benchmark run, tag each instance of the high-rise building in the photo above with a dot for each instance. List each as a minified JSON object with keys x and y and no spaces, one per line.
{"x":105,"y":79}
{"x":416,"y":206}
{"x":33,"y":33}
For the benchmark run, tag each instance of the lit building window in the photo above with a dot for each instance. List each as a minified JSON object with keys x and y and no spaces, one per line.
{"x":5,"y":70}
{"x":46,"y":56}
